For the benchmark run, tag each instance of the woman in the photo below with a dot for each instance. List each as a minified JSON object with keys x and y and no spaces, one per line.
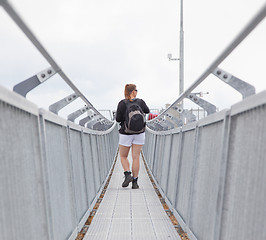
{"x":127,"y":140}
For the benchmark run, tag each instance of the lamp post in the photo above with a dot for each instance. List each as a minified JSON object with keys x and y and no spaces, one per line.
{"x":181,"y":54}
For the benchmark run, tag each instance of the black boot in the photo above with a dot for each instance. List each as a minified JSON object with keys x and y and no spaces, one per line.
{"x":135,"y":183}
{"x":128,"y":179}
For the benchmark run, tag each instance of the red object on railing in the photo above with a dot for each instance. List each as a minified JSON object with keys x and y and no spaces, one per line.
{"x":151,"y":116}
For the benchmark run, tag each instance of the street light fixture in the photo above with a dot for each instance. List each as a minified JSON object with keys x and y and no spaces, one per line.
{"x":200,"y":94}
{"x":169,"y":55}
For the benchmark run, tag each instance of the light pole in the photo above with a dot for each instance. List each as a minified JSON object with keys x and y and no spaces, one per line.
{"x":181,"y":54}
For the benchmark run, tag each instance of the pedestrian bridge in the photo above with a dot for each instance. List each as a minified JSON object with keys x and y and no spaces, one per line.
{"x":61,"y":179}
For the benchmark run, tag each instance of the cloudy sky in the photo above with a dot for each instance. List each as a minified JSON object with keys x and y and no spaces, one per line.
{"x":103,"y":44}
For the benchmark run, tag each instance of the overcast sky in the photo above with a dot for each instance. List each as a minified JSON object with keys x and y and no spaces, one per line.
{"x":104,"y":44}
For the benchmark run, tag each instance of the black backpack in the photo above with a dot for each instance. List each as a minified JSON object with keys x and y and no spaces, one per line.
{"x":135,"y":118}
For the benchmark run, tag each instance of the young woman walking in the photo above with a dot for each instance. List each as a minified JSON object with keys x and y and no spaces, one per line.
{"x":127,"y":139}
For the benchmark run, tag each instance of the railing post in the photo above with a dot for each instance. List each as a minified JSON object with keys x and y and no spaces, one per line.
{"x":223,"y":172}
{"x":45,"y":177}
{"x":195,"y":151}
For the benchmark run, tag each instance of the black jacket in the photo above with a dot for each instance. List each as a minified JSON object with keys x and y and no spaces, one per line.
{"x":121,"y":112}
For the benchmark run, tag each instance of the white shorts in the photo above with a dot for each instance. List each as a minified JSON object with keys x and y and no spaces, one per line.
{"x":128,"y":140}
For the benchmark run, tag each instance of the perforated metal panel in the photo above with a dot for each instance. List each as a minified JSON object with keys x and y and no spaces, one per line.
{"x":127,"y":213}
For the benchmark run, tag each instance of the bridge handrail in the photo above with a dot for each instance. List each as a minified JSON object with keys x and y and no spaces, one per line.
{"x":211,"y":173}
{"x":52,"y":170}
{"x":26,"y":30}
{"x":227,"y":51}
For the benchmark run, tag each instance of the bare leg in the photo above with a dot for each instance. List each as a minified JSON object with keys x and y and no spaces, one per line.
{"x":136,"y":149}
{"x":123,"y":156}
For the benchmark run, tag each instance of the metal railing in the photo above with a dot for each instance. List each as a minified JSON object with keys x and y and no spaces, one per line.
{"x":171,"y":117}
{"x":51,"y":169}
{"x":211,"y":172}
{"x":95,"y":120}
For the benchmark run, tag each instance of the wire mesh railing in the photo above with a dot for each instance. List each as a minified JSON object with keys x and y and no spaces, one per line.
{"x":211,"y":171}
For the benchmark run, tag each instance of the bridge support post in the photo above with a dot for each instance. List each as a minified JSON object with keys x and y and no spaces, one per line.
{"x":56,"y":107}
{"x":27,"y":85}
{"x":71,"y":117}
{"x":208,"y":107}
{"x":241,"y":86}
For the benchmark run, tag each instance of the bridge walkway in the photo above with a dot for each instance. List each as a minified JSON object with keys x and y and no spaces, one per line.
{"x":127,"y":213}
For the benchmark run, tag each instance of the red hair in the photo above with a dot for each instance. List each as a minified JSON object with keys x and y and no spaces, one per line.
{"x":129,"y":88}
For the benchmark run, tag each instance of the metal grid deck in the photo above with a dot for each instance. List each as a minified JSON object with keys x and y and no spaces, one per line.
{"x":127,"y":213}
